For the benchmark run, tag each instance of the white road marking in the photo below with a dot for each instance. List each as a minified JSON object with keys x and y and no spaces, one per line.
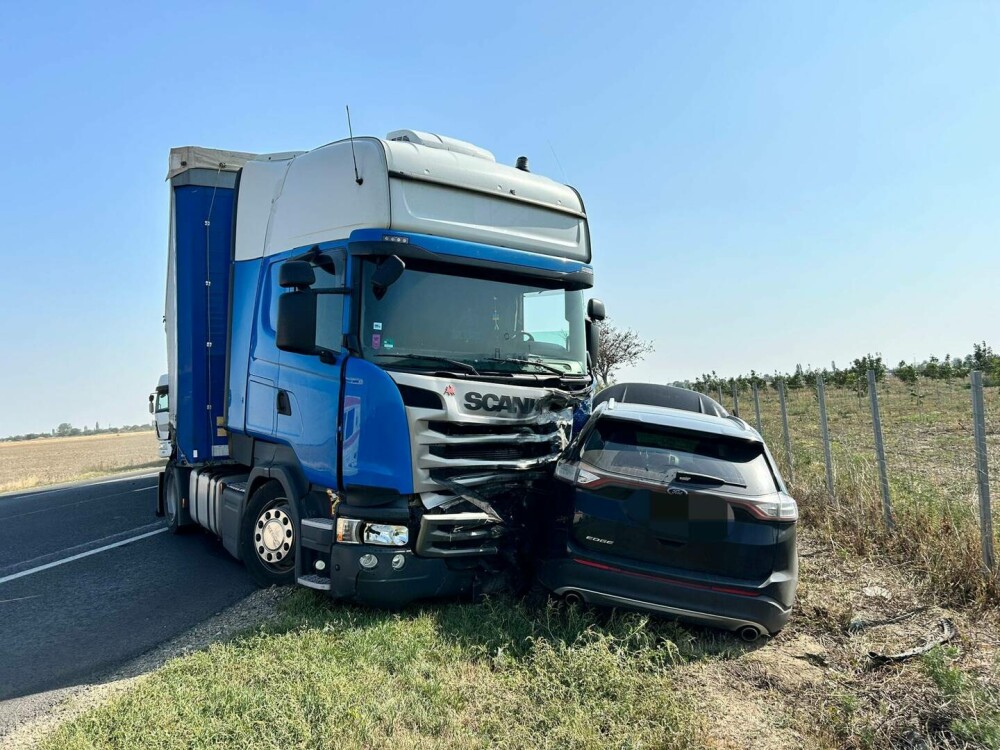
{"x":19,"y":598}
{"x":88,"y":553}
{"x":74,"y":485}
{"x":78,"y":502}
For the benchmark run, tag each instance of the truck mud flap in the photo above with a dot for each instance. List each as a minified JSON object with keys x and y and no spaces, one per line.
{"x":457,"y":535}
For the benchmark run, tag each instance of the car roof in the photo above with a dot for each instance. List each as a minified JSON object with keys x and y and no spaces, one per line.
{"x":657,"y":394}
{"x":663,"y":416}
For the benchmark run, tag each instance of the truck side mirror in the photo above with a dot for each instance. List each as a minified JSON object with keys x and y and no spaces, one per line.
{"x":386,"y":274}
{"x":297,"y":320}
{"x":296,"y":274}
{"x":151,"y":397}
{"x":595,"y":309}
{"x":593,"y":332}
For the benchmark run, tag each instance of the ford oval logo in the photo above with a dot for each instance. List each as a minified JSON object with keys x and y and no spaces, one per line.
{"x":676,"y":491}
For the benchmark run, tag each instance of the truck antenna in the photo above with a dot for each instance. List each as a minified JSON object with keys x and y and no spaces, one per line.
{"x":357,"y":178}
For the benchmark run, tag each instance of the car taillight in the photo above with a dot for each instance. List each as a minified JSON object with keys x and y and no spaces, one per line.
{"x":574,"y":473}
{"x":781,"y":508}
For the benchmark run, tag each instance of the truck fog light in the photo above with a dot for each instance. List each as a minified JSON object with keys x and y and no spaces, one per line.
{"x":398,"y":561}
{"x":368,"y":561}
{"x":320,"y":565}
{"x":386,"y":534}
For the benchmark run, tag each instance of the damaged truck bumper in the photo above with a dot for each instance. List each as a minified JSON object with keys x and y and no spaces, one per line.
{"x":445,"y":560}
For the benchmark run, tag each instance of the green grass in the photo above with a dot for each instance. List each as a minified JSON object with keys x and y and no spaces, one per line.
{"x":493,"y":675}
{"x":977,"y":707}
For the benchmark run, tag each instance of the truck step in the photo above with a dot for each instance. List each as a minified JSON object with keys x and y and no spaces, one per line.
{"x":313,"y":581}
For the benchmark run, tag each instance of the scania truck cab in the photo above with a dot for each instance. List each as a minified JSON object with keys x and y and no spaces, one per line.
{"x":376,"y":352}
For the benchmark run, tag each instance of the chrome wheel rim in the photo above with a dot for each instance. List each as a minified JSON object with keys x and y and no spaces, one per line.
{"x":274,"y":538}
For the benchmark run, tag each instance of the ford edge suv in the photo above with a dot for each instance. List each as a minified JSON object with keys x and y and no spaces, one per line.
{"x":673,"y":512}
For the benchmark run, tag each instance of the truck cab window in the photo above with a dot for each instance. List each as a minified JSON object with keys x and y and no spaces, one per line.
{"x":330,"y":308}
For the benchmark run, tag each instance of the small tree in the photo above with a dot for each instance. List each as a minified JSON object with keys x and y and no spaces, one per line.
{"x":906,"y":373}
{"x":620,"y":347}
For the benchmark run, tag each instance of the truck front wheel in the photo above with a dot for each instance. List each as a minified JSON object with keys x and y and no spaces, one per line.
{"x":267,"y":541}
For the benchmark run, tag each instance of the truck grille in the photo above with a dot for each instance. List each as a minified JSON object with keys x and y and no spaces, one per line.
{"x":459,"y":429}
{"x":449,"y":442}
{"x":488,"y":452}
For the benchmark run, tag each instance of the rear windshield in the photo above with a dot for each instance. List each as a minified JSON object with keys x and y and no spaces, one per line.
{"x":660,"y":453}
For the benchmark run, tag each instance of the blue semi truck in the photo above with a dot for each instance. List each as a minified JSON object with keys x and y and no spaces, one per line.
{"x":376,"y":353}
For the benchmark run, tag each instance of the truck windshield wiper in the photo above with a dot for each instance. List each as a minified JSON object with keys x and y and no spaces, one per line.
{"x":464,"y":366}
{"x":691,"y":476}
{"x":515,"y":360}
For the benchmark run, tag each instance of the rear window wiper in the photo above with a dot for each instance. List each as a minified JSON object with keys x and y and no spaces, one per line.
{"x":464,"y":366}
{"x":516,"y":360}
{"x":691,"y":476}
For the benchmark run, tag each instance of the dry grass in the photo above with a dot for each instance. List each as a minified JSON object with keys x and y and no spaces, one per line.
{"x":34,"y":463}
{"x":814,"y":685}
{"x":927,"y":429}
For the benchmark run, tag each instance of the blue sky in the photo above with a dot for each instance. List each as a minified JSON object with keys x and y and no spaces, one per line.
{"x":768,"y":183}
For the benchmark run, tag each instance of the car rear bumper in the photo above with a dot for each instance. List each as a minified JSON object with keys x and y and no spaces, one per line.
{"x":715,"y":602}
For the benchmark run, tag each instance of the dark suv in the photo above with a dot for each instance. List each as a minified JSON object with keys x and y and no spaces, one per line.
{"x":674,"y":512}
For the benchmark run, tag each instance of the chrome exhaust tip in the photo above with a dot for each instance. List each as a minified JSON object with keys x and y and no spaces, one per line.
{"x":573,"y":598}
{"x":749,"y":633}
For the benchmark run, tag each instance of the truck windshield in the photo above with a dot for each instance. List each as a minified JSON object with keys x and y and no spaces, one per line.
{"x":518,"y":325}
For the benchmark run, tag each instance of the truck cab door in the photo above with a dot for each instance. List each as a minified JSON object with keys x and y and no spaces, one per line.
{"x":262,"y":368}
{"x":307,"y":402}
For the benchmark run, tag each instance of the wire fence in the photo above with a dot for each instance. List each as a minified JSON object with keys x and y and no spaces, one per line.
{"x":928,"y":450}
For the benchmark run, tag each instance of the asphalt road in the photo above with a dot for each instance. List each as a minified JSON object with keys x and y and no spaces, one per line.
{"x":89,"y":579}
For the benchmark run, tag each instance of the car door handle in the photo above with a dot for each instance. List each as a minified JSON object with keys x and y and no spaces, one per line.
{"x":284,"y":404}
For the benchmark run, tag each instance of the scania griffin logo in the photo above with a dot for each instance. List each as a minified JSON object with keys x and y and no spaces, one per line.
{"x":492,"y":402}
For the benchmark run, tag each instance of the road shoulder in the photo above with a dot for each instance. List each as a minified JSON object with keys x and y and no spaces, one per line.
{"x":26,"y":721}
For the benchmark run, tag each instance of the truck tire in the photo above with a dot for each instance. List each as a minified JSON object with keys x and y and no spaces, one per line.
{"x":267,"y":537}
{"x":172,"y":501}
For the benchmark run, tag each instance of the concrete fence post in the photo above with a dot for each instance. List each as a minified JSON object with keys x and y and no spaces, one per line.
{"x":883,"y":473}
{"x":825,"y":432}
{"x":982,"y":470}
{"x":784,"y":429}
{"x":736,"y":399}
{"x":719,"y":385}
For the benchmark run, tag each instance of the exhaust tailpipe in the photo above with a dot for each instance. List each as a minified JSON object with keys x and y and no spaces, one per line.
{"x":749,"y":633}
{"x":573,"y":599}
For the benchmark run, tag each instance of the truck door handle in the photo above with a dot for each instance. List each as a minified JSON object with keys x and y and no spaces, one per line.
{"x":284,"y":404}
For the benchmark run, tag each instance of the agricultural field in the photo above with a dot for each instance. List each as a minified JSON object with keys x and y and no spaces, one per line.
{"x":34,"y":463}
{"x":928,"y":434}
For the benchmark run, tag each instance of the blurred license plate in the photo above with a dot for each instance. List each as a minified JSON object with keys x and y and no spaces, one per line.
{"x":688,"y":516}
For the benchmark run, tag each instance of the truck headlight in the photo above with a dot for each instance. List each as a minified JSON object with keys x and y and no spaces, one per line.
{"x":387,"y":534}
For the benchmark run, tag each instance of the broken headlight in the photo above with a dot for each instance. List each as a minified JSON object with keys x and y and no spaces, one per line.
{"x":386,"y":534}
{"x":353,"y":531}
